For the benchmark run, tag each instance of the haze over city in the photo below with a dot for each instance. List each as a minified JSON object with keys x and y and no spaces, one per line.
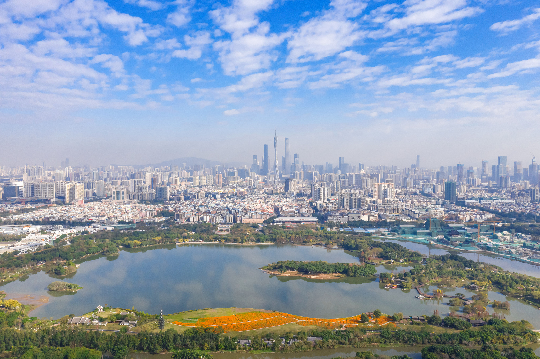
{"x":139,"y":81}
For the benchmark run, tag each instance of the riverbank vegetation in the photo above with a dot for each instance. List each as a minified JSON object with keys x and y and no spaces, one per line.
{"x":486,"y":352}
{"x":321,"y":267}
{"x":240,"y":332}
{"x":452,"y":270}
{"x":213,"y":339}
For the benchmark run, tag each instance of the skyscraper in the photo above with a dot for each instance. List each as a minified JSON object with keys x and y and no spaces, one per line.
{"x":533,"y":172}
{"x":276,"y":170}
{"x":255,"y":165}
{"x":450,"y":193}
{"x":343,"y":167}
{"x":287,"y":162}
{"x":417,"y":161}
{"x":460,"y":173}
{"x":501,"y":167}
{"x":518,"y":171}
{"x":266,"y":162}
{"x":484,"y":168}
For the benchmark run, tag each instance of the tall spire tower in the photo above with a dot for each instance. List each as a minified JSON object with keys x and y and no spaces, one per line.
{"x":276,"y":174}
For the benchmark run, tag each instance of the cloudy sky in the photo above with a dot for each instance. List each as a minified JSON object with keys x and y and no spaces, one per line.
{"x":143,"y":81}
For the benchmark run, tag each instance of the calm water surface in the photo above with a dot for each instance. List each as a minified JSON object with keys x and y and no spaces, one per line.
{"x":220,"y":276}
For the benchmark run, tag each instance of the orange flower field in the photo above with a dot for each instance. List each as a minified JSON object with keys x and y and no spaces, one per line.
{"x":259,"y":320}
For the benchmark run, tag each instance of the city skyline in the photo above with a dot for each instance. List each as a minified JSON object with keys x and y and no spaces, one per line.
{"x":136,"y":82}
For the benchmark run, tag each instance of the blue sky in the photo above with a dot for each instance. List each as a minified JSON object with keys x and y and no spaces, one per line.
{"x":143,"y":81}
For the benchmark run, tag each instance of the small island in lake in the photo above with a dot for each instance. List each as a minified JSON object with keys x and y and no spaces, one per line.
{"x":60,"y":286}
{"x":319,"y":269}
{"x":62,"y":270}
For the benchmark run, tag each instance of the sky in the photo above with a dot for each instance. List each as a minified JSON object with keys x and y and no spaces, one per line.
{"x":144,"y":81}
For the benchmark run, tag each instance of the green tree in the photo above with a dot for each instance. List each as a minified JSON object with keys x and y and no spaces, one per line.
{"x":377,"y":313}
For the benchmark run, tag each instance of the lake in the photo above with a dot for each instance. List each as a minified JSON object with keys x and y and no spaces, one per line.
{"x":188,"y":277}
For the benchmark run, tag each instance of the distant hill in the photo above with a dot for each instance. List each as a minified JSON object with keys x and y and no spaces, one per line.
{"x":190,"y":161}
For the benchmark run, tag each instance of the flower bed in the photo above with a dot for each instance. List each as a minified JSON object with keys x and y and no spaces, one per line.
{"x":259,"y":320}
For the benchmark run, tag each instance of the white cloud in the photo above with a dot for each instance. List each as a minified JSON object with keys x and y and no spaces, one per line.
{"x":59,"y":47}
{"x":409,"y":45}
{"x":231,"y":112}
{"x":241,"y":16}
{"x":327,"y":34}
{"x":320,"y":38}
{"x":250,"y":82}
{"x":251,"y":44}
{"x":181,"y":16}
{"x":150,"y":4}
{"x":427,"y":12}
{"x":114,"y":63}
{"x":169,"y":44}
{"x":506,"y":27}
{"x":83,"y":18}
{"x":248,"y":52}
{"x":469,"y":62}
{"x":291,"y":77}
{"x":30,"y":8}
{"x":524,"y":66}
{"x":18,"y":32}
{"x":408,"y":80}
{"x":196,"y":45}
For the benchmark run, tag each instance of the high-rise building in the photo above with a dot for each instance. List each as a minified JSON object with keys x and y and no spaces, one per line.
{"x":460,"y":173}
{"x":533,"y":172}
{"x":417,"y":161}
{"x":341,"y":163}
{"x":534,"y":194}
{"x":255,"y":165}
{"x":494,"y":173}
{"x":484,"y":168}
{"x":119,"y":194}
{"x":266,"y":162}
{"x":319,"y":192}
{"x":163,"y":193}
{"x":289,"y":185}
{"x":276,"y":170}
{"x":296,"y":163}
{"x":518,"y":171}
{"x":502,"y":161}
{"x":450,"y":193}
{"x":73,"y":192}
{"x":501,"y":168}
{"x":287,"y":159}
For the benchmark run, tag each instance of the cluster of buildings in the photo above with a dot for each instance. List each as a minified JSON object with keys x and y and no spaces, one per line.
{"x":36,"y":236}
{"x":251,"y":206}
{"x":105,"y":212}
{"x":255,"y":192}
